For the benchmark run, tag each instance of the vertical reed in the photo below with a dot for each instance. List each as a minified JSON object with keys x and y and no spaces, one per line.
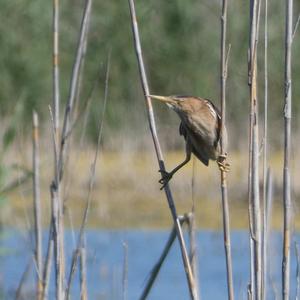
{"x":57,"y":216}
{"x":83,"y":285}
{"x":287,"y":204}
{"x":55,"y":74}
{"x":60,"y":147}
{"x":253,"y":180}
{"x":48,"y":262}
{"x":125,"y":271}
{"x":297,"y":271}
{"x":24,"y":276}
{"x":265,"y":159}
{"x":152,"y":125}
{"x":225,"y":208}
{"x":37,"y":205}
{"x":91,"y":185}
{"x":193,"y":246}
{"x":56,"y":219}
{"x":74,"y":85}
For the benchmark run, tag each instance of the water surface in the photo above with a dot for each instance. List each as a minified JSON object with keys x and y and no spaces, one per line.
{"x":105,"y":260}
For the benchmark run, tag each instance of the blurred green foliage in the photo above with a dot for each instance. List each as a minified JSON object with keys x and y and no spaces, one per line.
{"x":180,"y":41}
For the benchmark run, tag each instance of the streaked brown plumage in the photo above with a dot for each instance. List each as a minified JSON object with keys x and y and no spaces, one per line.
{"x":201,"y":127}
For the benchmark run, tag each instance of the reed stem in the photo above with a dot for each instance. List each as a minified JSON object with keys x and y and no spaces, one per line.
{"x":37,"y":205}
{"x":152,"y":125}
{"x":225,"y":206}
{"x":287,"y":204}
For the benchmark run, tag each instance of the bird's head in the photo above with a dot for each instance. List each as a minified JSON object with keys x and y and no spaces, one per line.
{"x":174,"y":102}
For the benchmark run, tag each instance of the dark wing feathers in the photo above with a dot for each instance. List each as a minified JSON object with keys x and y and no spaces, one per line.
{"x":183,"y":131}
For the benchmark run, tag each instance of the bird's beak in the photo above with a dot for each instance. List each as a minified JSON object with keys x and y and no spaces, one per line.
{"x":165,"y":99}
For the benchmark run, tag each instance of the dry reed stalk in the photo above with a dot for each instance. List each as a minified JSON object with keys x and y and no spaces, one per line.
{"x":81,"y":68}
{"x":297,"y":270}
{"x":193,"y":247}
{"x":76,"y":118}
{"x":155,"y":270}
{"x":47,"y":265}
{"x":23,"y":280}
{"x":152,"y":125}
{"x":125,"y":271}
{"x":57,"y":215}
{"x":83,"y":286}
{"x":265,"y":160}
{"x":56,"y":219}
{"x":55,"y":106}
{"x":60,"y":148}
{"x":37,"y":205}
{"x":91,"y":185}
{"x":269,"y":188}
{"x":269,"y":205}
{"x":225,"y":207}
{"x":253,"y":176}
{"x":55,"y":74}
{"x":73,"y":85}
{"x":192,"y":233}
{"x":84,"y":110}
{"x":287,"y":203}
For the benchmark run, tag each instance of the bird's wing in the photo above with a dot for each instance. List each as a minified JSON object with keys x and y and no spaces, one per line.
{"x":217,"y":115}
{"x":184,"y":131}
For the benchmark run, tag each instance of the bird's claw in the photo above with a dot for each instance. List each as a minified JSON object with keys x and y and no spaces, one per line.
{"x":165,"y":178}
{"x":225,"y":167}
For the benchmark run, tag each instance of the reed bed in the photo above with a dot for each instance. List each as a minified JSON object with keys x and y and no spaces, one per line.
{"x":184,"y":229}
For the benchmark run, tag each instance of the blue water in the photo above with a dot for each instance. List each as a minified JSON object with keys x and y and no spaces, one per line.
{"x":105,"y":254}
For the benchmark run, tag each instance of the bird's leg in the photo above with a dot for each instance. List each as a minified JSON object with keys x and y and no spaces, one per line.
{"x":166,"y":176}
{"x":222,"y":163}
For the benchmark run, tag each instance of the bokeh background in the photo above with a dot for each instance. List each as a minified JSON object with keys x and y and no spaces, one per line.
{"x":181,"y":46}
{"x":180,"y":40}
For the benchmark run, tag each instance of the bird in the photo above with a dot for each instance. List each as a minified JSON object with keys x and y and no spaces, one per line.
{"x":201,"y":128}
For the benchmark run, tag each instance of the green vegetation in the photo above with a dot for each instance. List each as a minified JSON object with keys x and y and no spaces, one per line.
{"x":181,"y":48}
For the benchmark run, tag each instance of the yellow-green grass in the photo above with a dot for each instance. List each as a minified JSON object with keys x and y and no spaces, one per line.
{"x":126,"y":192}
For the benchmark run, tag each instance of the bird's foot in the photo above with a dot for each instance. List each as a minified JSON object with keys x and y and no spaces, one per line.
{"x":165,"y":178}
{"x":224,"y":166}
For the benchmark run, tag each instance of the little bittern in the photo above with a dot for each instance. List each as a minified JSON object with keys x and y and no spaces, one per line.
{"x":201,"y":128}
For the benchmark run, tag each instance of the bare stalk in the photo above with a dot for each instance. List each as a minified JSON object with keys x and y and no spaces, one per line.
{"x":47,"y":265}
{"x":22,"y":281}
{"x":60,"y":149}
{"x":297,"y":270}
{"x":125,"y":271}
{"x":254,"y":201}
{"x":74,"y":84}
{"x":225,"y":207}
{"x":265,"y":159}
{"x":37,"y":205}
{"x":83,"y":286}
{"x":192,"y":232}
{"x":269,"y":188}
{"x":152,"y":125}
{"x":56,"y":218}
{"x":56,"y":92}
{"x":155,"y":270}
{"x":287,"y":204}
{"x":269,"y":200}
{"x":193,"y":247}
{"x":81,"y":68}
{"x":91,"y":185}
{"x":57,"y":215}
